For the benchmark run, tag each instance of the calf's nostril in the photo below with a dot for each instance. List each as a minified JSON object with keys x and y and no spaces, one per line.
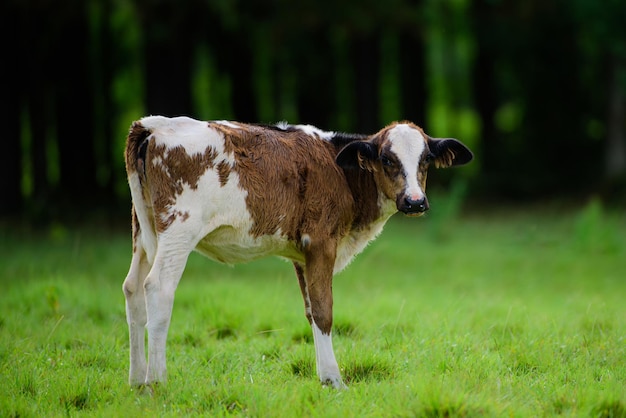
{"x":416,"y":205}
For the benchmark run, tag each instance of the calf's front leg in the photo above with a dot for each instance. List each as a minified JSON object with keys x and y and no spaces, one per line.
{"x":316,"y":286}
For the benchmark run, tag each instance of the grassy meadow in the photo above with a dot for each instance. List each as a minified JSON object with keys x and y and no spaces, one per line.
{"x":516,"y":313}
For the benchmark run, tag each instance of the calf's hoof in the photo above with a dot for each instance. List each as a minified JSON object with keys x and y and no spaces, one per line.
{"x":146,"y":389}
{"x":334,"y":382}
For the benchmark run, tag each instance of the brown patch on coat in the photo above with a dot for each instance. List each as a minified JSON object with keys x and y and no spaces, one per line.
{"x":136,"y":228}
{"x":320,"y":260}
{"x":362,"y":184}
{"x":136,"y":135}
{"x":292,"y":182}
{"x":223,"y":171}
{"x":169,"y":170}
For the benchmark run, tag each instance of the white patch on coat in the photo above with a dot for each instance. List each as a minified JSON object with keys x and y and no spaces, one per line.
{"x":356,"y":241}
{"x":312,"y":130}
{"x":408,"y":144}
{"x":193,"y":135}
{"x":220,"y":222}
{"x":227,"y":123}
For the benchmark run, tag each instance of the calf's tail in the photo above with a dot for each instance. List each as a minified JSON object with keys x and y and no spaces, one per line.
{"x":136,"y":146}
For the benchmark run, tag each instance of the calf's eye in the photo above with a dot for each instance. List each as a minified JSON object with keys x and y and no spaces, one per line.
{"x":386,"y":161}
{"x":428,"y":158}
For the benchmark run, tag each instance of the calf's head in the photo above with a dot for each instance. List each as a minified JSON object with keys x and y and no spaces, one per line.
{"x":399,"y":157}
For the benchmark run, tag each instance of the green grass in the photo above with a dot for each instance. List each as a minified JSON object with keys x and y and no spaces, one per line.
{"x":508,"y":313}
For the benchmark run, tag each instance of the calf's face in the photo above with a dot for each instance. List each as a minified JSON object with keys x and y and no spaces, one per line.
{"x":399,"y":157}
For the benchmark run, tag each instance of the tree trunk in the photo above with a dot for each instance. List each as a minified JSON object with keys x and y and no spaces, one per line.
{"x":615,"y":160}
{"x":74,"y":112}
{"x":10,"y":157}
{"x":483,"y":81}
{"x":365,"y":58}
{"x":413,"y":79}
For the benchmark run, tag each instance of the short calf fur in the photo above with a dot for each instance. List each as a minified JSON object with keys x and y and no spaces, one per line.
{"x":236,"y":192}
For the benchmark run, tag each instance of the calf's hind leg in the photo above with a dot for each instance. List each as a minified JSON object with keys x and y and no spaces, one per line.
{"x":160,"y":287}
{"x":136,"y":315}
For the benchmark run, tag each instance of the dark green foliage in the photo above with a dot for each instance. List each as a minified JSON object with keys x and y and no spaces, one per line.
{"x":535,"y":88}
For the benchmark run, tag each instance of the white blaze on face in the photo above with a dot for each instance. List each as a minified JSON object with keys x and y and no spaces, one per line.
{"x":408,"y":145}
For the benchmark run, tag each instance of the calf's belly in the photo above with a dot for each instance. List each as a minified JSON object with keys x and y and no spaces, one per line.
{"x":231,"y":246}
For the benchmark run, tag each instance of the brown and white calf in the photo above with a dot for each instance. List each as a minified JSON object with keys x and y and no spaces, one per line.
{"x":237,"y":192}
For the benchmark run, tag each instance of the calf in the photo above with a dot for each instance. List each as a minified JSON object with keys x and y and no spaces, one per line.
{"x":236,"y":192}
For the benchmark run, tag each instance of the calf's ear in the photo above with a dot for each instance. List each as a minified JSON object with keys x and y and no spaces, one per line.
{"x":356,"y":155}
{"x":449,"y":152}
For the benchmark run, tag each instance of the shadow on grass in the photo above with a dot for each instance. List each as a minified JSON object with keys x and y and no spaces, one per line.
{"x":609,"y":409}
{"x":362,"y":371}
{"x":450,"y":410}
{"x":367,"y":371}
{"x":303,"y":368}
{"x":76,"y":402}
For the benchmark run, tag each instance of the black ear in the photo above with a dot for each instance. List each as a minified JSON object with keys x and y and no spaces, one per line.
{"x":449,"y":152}
{"x":355,"y":154}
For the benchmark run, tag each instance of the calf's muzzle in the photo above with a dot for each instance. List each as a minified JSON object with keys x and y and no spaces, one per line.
{"x":409,"y":206}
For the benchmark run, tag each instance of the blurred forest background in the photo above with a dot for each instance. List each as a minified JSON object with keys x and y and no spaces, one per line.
{"x":537,"y":88}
